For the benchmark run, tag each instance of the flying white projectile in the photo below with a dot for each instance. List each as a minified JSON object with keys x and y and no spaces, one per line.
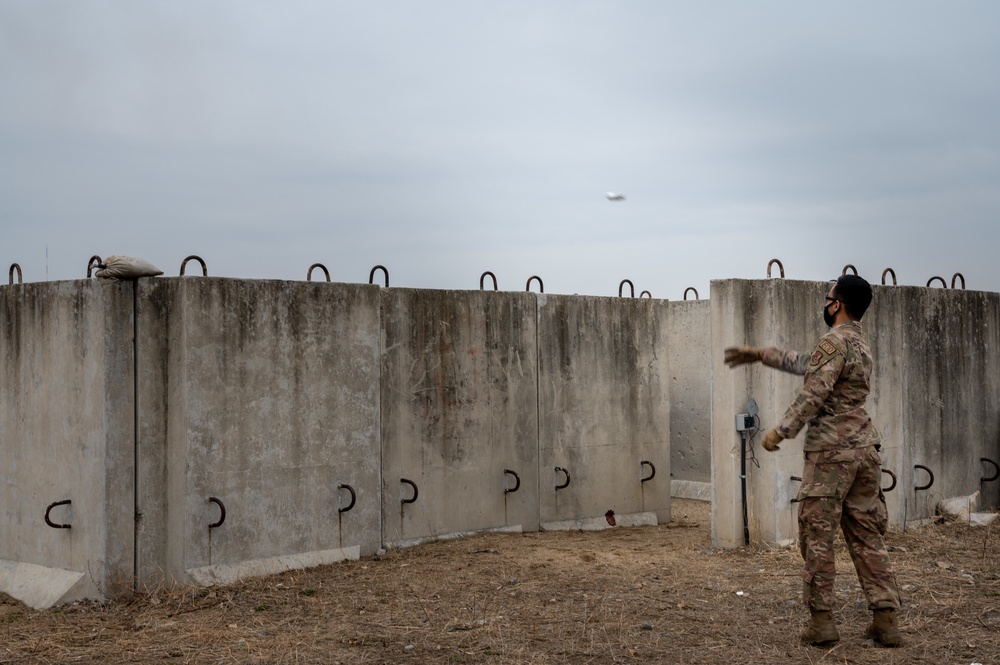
{"x":612,"y":196}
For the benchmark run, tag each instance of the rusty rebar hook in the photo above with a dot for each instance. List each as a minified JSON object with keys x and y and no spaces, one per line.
{"x":631,"y":286}
{"x":780,"y":267}
{"x":647,"y":294}
{"x":95,"y":260}
{"x":321,"y":267}
{"x":929,"y":473}
{"x":941,"y":279}
{"x":52,"y":524}
{"x":652,"y":470}
{"x":482,"y":279}
{"x":541,"y":287}
{"x":890,"y":487}
{"x":565,"y":484}
{"x":889,"y":271}
{"x":960,"y":276}
{"x":414,"y":486}
{"x":851,"y":267}
{"x":354,"y":497}
{"x":690,"y":288}
{"x":996,"y":469}
{"x":13,"y":267}
{"x":204,"y":268}
{"x":517,"y":482}
{"x":222,"y":512}
{"x":385,"y":271}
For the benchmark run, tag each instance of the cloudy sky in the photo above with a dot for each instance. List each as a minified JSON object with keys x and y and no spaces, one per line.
{"x":444,"y":139}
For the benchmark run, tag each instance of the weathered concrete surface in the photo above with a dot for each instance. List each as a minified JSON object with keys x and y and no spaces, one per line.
{"x":937,"y":356}
{"x":604,"y":407}
{"x":459,"y":406}
{"x":66,"y":424}
{"x":690,"y":391}
{"x":263,"y":395}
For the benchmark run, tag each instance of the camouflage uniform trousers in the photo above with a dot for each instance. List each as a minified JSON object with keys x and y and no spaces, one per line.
{"x":844,"y":487}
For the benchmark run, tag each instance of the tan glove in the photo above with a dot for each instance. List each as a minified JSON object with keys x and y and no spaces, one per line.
{"x":741,"y":355}
{"x":771,"y":440}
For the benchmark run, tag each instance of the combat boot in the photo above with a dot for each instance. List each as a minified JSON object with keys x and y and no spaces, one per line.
{"x":821,"y":630}
{"x":883,"y":629}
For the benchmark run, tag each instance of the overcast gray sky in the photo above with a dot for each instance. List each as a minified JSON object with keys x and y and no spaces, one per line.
{"x":443,"y":139}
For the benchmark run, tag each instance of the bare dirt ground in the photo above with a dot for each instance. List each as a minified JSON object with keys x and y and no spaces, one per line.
{"x":624,"y":595}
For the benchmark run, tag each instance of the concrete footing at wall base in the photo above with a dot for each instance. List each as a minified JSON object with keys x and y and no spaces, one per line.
{"x":600,"y":523}
{"x":690,"y":489}
{"x":37,"y":586}
{"x":413,"y":542}
{"x":229,"y":573}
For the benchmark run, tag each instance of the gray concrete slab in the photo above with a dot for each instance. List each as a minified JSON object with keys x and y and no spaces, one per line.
{"x":690,"y":390}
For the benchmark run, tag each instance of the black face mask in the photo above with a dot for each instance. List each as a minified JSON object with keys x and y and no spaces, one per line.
{"x":827,"y":316}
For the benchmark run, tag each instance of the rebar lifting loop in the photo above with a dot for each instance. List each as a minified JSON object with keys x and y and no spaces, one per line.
{"x":929,"y":473}
{"x":559,"y":469}
{"x":354,"y":497}
{"x":482,"y":279}
{"x":371,"y":275}
{"x":996,"y":470}
{"x":541,"y":287}
{"x":630,"y":286}
{"x":13,"y":267}
{"x":517,"y":482}
{"x":941,"y":279}
{"x":204,"y":268}
{"x":414,"y":486}
{"x":647,"y":294}
{"x":222,"y":512}
{"x":889,"y":271}
{"x":853,"y":269}
{"x":690,"y":288}
{"x":961,"y":277}
{"x":795,"y":479}
{"x":780,"y":267}
{"x":891,"y":475}
{"x":95,"y":260}
{"x":652,"y":470}
{"x":49,"y":509}
{"x":321,"y":267}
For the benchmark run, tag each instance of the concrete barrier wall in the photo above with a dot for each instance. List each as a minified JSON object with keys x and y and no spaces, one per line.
{"x":934,"y":397}
{"x":66,"y":433}
{"x":603,"y":409}
{"x":690,"y":394}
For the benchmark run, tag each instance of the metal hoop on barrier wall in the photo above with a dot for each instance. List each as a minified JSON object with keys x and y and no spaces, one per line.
{"x":646,"y":293}
{"x":889,"y":271}
{"x":517,"y":482}
{"x":371,"y":275}
{"x":412,"y":485}
{"x":13,"y":267}
{"x":95,"y":260}
{"x":959,"y":276}
{"x":652,"y":470}
{"x":996,"y":470}
{"x":891,"y":475}
{"x":354,"y":497}
{"x":852,"y":268}
{"x":321,"y":267}
{"x":204,"y":268}
{"x":631,"y":286}
{"x":941,"y":279}
{"x":929,"y":473}
{"x":482,"y":279}
{"x":541,"y":287}
{"x":780,"y":267}
{"x":222,"y":512}
{"x":49,"y":509}
{"x":690,"y":288}
{"x":559,"y":469}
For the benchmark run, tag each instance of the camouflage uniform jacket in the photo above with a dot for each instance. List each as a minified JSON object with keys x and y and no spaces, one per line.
{"x":832,"y":399}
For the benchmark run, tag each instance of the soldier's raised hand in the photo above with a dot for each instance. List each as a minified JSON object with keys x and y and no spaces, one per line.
{"x":742,"y":355}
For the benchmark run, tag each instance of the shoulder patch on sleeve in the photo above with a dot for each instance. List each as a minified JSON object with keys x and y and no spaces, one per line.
{"x":827,"y":347}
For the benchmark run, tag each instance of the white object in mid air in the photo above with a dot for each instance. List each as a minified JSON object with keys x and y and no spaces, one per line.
{"x":612,"y":196}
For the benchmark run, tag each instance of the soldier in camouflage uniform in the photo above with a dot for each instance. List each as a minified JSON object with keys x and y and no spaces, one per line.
{"x":841,"y":479}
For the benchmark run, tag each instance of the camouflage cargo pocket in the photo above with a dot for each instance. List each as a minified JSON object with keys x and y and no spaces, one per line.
{"x":825,"y":474}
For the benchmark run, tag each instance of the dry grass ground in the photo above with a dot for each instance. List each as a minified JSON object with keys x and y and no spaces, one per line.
{"x":625,"y":595}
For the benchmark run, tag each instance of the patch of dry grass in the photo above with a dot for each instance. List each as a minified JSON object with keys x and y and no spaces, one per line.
{"x":649,"y":594}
